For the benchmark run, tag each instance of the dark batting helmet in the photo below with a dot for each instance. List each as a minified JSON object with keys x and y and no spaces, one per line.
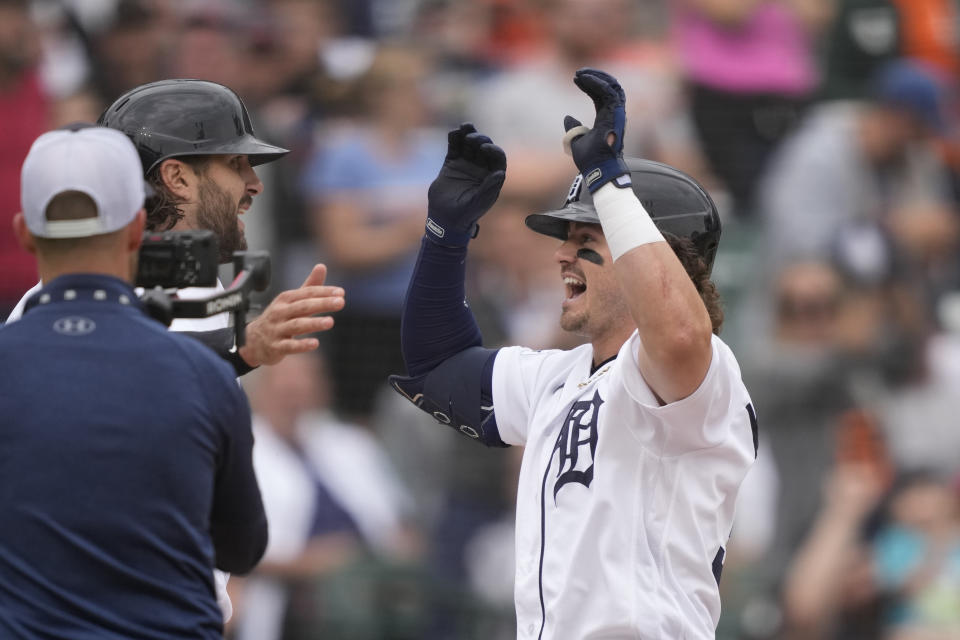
{"x":173,"y":118}
{"x":675,"y":201}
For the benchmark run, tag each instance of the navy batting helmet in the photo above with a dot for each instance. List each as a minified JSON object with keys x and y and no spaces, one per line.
{"x":675,"y":201}
{"x":173,"y":118}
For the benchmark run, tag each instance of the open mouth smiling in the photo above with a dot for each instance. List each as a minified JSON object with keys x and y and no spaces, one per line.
{"x":574,"y":286}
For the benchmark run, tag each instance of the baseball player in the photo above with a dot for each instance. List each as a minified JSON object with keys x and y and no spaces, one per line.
{"x":634,"y":444}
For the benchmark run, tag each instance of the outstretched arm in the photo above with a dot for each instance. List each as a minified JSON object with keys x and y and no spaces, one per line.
{"x":449,"y":372}
{"x":672,"y":321}
{"x":274,"y":334}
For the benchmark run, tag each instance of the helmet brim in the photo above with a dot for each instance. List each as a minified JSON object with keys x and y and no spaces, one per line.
{"x":258,"y":151}
{"x":555,"y":223}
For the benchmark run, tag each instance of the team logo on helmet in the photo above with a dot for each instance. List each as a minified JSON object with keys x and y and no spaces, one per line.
{"x":575,"y":188}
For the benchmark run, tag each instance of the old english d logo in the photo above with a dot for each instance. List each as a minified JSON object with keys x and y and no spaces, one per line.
{"x":577,"y":443}
{"x":575,"y":187}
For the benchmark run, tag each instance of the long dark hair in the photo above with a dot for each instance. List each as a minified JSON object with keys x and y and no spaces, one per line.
{"x":696,"y":268}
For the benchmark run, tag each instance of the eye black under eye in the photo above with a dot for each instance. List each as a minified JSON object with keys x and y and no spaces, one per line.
{"x":591,"y":256}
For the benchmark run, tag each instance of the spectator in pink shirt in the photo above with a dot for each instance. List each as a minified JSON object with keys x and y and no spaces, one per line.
{"x":750,"y":69}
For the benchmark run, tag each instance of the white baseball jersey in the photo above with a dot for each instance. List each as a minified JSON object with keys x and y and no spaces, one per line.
{"x":624,"y":506}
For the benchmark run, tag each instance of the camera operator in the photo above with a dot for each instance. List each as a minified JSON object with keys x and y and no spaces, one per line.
{"x":125,"y":449}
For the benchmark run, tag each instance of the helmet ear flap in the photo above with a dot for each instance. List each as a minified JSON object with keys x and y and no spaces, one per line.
{"x":709,"y":252}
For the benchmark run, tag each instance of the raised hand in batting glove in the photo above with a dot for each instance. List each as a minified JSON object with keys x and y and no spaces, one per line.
{"x":467,"y":186}
{"x":598,"y":152}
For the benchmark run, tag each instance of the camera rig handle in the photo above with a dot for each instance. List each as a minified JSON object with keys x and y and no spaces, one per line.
{"x":252,"y":269}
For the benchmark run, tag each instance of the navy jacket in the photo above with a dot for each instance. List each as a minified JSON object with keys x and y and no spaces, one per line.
{"x":125,"y":471}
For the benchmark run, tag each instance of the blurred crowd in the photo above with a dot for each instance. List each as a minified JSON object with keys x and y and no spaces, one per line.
{"x":825,"y":130}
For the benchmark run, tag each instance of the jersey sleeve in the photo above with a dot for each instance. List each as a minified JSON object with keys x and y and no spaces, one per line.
{"x":719,"y":409}
{"x":517,"y":375}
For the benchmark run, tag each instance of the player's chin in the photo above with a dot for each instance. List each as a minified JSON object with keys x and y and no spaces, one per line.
{"x":573,"y":302}
{"x":572,"y":321}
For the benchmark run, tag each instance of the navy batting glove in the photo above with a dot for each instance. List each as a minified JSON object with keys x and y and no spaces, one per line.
{"x":598,"y":160}
{"x":467,"y":186}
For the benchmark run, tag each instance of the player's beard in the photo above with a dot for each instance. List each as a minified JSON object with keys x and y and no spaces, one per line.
{"x":575,"y":321}
{"x":605,"y":310}
{"x":218,"y":212}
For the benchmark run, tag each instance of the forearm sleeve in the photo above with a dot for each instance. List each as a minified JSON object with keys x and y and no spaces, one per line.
{"x":449,"y":373}
{"x":437,"y":323}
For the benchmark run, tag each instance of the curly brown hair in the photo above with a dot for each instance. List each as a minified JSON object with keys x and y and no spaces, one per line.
{"x":696,"y":268}
{"x":163,"y":208}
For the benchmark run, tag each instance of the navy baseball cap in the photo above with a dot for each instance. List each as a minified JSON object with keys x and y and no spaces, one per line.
{"x":915,"y":88}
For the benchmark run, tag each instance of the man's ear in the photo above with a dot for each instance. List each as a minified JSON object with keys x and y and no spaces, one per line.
{"x":22,"y":232}
{"x":177,"y":177}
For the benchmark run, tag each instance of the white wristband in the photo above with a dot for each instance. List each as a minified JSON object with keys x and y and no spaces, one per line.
{"x":626,"y":224}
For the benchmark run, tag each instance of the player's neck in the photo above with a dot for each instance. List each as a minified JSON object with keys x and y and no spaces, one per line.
{"x":596,"y":365}
{"x":607,"y":346}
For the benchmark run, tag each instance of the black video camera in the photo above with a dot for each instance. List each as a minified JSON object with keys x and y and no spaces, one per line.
{"x":172,"y":260}
{"x":178,"y":259}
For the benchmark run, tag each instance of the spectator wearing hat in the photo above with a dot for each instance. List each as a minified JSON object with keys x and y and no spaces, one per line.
{"x":857,"y":162}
